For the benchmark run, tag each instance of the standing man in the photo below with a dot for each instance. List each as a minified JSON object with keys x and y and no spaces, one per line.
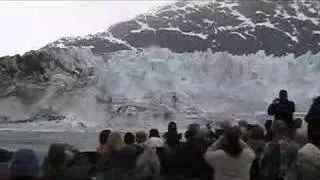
{"x":282,"y":109}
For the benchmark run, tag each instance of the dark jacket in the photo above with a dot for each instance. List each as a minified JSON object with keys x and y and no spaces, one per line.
{"x":172,"y":138}
{"x":119,"y":164}
{"x":313,"y":114}
{"x":278,"y":160}
{"x":258,"y":147}
{"x":282,"y":110}
{"x":188,"y":161}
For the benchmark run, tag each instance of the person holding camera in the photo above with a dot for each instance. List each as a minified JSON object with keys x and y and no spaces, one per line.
{"x":230,"y":157}
{"x":282,"y":109}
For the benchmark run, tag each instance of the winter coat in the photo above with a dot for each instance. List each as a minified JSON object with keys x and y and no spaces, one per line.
{"x":309,"y":162}
{"x":188,"y":161}
{"x":283,"y":110}
{"x":148,"y":163}
{"x":257,"y":146}
{"x":313,"y":113}
{"x":227,"y":167}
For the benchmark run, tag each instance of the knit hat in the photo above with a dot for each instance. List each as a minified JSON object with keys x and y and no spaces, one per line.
{"x":25,"y":164}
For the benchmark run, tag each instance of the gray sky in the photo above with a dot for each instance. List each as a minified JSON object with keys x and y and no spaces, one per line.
{"x":27,"y":25}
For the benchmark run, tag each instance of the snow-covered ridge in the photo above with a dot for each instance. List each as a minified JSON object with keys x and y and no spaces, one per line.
{"x":236,"y":26}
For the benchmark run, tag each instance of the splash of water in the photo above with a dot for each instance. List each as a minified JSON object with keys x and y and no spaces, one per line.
{"x":156,"y":85}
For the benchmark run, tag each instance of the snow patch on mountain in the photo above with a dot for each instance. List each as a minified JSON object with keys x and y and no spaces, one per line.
{"x":187,"y":26}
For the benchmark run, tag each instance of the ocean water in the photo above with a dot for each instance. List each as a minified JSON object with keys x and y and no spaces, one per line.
{"x":41,"y":141}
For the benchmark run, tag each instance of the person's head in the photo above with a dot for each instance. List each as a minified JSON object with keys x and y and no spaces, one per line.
{"x":232,"y":145}
{"x":243,"y":125}
{"x":268,"y":124}
{"x":193,"y":132}
{"x":154,"y":133}
{"x":56,"y":155}
{"x":279,"y":129}
{"x":103,"y":137}
{"x":209,"y":126}
{"x":24,"y":165}
{"x":115,"y":142}
{"x":257,"y":133}
{"x":59,"y":155}
{"x":172,"y":136}
{"x":297,"y":123}
{"x":129,"y":138}
{"x":206,"y":135}
{"x":5,"y":155}
{"x":172,"y":126}
{"x":141,"y":137}
{"x":316,"y":100}
{"x":283,"y":95}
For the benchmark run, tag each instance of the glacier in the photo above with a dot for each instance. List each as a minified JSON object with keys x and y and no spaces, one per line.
{"x":150,"y":87}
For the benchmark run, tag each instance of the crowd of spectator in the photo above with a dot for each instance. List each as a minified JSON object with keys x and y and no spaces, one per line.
{"x":236,"y":151}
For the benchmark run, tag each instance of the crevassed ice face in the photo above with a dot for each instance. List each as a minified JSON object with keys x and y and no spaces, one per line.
{"x":131,"y":110}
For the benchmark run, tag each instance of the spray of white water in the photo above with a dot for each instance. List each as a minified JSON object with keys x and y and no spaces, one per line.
{"x":204,"y":83}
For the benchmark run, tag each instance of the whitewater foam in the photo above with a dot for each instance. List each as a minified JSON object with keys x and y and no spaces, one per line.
{"x":207,"y":87}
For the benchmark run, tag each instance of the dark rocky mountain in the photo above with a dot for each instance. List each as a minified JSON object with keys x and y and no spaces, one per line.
{"x":57,"y":71}
{"x":236,"y":26}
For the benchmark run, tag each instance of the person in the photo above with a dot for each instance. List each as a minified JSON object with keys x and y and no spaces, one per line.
{"x":300,"y":134}
{"x":244,"y":130}
{"x":172,"y":141}
{"x":129,"y":138}
{"x":186,"y":159}
{"x":126,"y":161}
{"x":141,"y":138}
{"x":212,"y":133}
{"x":5,"y":157}
{"x":156,"y":143}
{"x":230,"y":157}
{"x":148,"y":163}
{"x":111,"y":164}
{"x":314,"y":111}
{"x":115,"y":143}
{"x":309,"y":156}
{"x":268,"y":134}
{"x":256,"y":142}
{"x":55,"y":163}
{"x":256,"y":139}
{"x":80,"y":167}
{"x":24,"y":165}
{"x":154,"y":140}
{"x":172,"y":136}
{"x":207,"y":136}
{"x":103,"y":138}
{"x":282,"y":109}
{"x":279,"y":156}
{"x":154,"y":133}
